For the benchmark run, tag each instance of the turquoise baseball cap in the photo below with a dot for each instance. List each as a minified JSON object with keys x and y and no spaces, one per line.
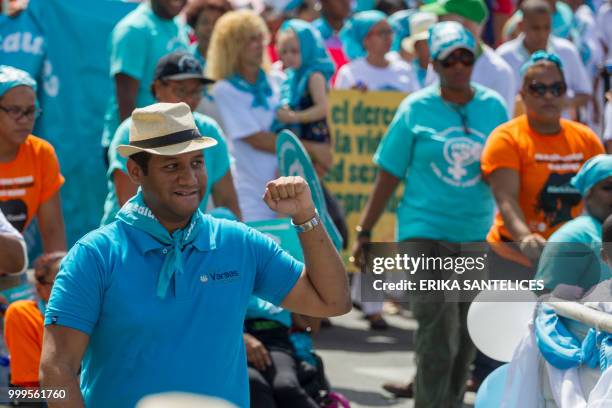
{"x":11,"y":77}
{"x":595,"y":169}
{"x":448,"y":36}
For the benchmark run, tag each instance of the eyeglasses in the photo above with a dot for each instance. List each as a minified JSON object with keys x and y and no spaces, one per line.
{"x":181,"y":92}
{"x":539,"y":89}
{"x":16,"y":113}
{"x":466,"y":58}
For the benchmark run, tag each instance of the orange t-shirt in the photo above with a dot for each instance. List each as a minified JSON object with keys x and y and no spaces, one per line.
{"x":546,"y":164}
{"x":28,"y":181}
{"x":23,"y":331}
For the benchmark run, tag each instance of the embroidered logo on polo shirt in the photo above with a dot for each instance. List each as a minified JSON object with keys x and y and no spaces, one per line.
{"x":220,"y":277}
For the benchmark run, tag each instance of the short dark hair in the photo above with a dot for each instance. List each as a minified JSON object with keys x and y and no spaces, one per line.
{"x":142,"y":160}
{"x":390,"y":6}
{"x":536,"y":7}
{"x":195,"y":8}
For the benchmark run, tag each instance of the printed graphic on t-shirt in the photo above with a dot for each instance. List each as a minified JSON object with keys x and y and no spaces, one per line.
{"x":11,"y":204}
{"x":557,"y":197}
{"x":462,"y":155}
{"x":16,"y":212}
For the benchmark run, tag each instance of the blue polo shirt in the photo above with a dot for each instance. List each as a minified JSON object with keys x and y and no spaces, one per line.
{"x":216,"y":161}
{"x":427,"y":146}
{"x":190,"y":341}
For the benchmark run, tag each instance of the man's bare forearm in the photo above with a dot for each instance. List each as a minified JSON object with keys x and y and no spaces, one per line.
{"x":12,"y":254}
{"x":57,"y":377}
{"x":325,"y":269}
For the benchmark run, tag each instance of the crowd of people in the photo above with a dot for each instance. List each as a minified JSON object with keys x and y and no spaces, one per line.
{"x":502,"y":139}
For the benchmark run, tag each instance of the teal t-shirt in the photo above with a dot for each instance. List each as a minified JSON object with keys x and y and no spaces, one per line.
{"x":137,"y":42}
{"x":216,"y":161}
{"x":427,"y":147}
{"x":262,"y":309}
{"x":572,"y":255}
{"x":22,"y":44}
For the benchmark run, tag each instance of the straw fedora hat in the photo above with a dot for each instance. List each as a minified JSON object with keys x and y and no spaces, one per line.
{"x":165,"y":129}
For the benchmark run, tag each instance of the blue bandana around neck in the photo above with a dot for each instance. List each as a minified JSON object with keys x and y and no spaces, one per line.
{"x":562,"y":350}
{"x":136,"y":214}
{"x":324,"y":28}
{"x":355,"y":31}
{"x":261,"y":90}
{"x":315,"y":58}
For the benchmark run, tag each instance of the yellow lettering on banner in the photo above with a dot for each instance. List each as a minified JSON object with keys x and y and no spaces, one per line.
{"x":358,"y":121}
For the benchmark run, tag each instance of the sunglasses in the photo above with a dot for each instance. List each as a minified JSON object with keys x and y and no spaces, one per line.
{"x":539,"y":89}
{"x":466,"y":58}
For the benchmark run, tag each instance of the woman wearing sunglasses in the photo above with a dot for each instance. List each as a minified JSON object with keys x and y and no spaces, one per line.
{"x":433,"y":145}
{"x":529,"y":163}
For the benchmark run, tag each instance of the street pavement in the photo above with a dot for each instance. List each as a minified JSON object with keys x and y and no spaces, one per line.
{"x":358,"y":361}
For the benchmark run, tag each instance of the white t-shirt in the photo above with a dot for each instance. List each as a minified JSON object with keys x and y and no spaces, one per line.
{"x":7,"y":229}
{"x":396,"y":76}
{"x":587,"y":35}
{"x":494,"y":73}
{"x":578,"y":81}
{"x":604,"y":27}
{"x":253,"y":168}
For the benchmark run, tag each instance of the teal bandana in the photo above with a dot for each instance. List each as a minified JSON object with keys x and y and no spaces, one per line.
{"x":261,"y":90}
{"x":355,"y":31}
{"x":136,"y":214}
{"x":324,"y":28}
{"x":400,"y":22}
{"x":11,"y":77}
{"x":541,"y":56}
{"x":595,"y":169}
{"x":315,"y":58}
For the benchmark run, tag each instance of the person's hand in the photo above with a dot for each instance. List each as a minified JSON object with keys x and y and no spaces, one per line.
{"x":290,"y":196}
{"x":286,"y":115}
{"x":532,"y":245}
{"x":357,"y":257}
{"x":360,"y":86}
{"x":257,"y":353}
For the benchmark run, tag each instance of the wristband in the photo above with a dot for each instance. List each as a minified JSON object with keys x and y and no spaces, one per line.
{"x":308,"y":225}
{"x":361,"y":233}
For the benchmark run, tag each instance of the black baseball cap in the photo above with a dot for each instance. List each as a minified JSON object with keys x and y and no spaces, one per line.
{"x":180,"y":65}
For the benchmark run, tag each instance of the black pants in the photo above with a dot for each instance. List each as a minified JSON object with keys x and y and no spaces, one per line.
{"x":278,"y":385}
